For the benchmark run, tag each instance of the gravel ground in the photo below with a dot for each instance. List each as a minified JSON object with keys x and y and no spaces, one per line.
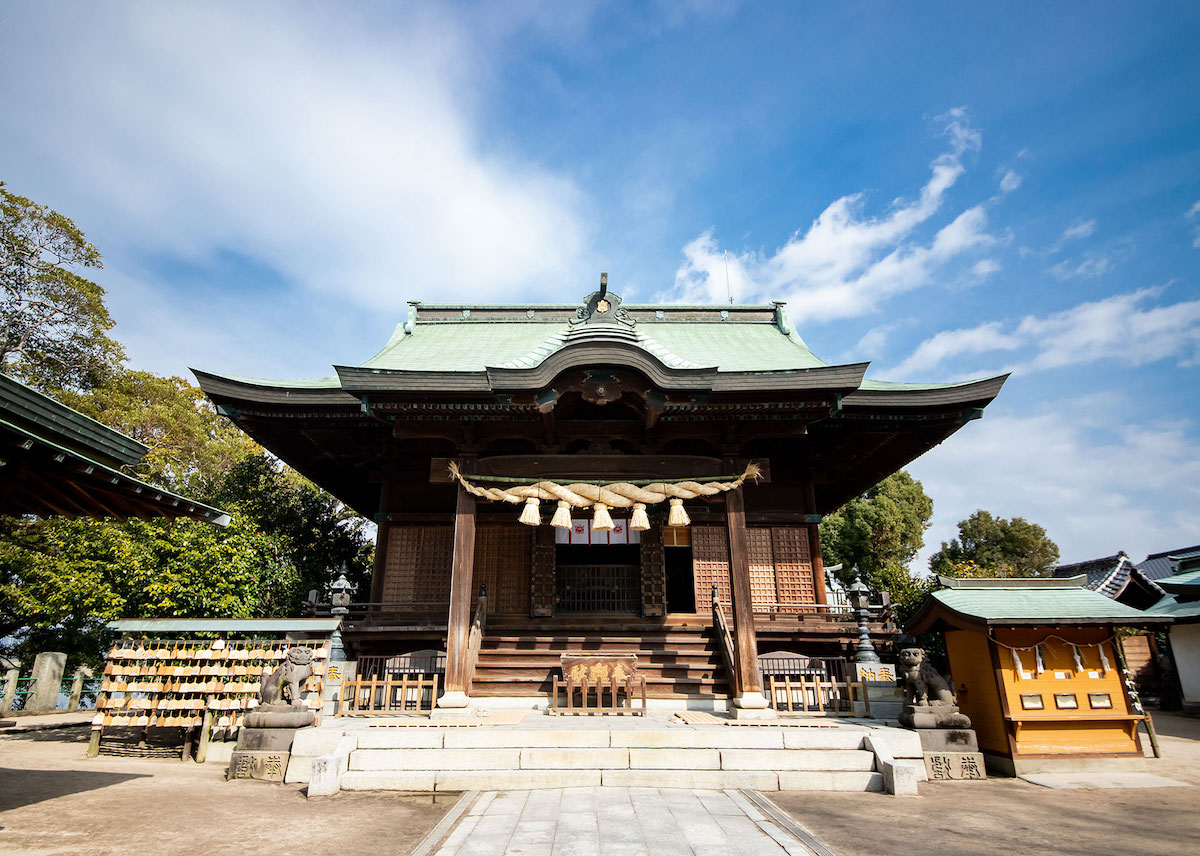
{"x":1010,"y":816}
{"x":54,"y":800}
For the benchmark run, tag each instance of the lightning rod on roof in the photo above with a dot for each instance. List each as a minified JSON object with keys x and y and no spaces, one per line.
{"x":728,"y":287}
{"x":603,"y":284}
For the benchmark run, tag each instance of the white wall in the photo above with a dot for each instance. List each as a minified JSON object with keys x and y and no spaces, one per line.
{"x":1185,"y":643}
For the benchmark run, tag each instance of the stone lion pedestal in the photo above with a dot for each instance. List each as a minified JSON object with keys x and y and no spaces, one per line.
{"x":264,"y":742}
{"x":948,"y":742}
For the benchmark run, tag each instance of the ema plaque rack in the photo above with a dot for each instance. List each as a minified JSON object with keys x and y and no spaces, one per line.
{"x":196,"y":685}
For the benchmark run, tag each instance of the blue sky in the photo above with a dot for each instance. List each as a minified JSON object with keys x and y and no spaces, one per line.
{"x":946,"y":189}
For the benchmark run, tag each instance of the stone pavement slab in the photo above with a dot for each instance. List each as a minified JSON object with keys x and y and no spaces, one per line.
{"x":609,"y":821}
{"x":1066,"y":781}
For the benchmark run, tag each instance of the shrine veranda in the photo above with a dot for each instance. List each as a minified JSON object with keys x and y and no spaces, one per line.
{"x":582,"y":398}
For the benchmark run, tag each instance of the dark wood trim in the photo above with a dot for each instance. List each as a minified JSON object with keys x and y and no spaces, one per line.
{"x":818,"y":563}
{"x":382,"y":535}
{"x":461,"y":579}
{"x":739,"y":581}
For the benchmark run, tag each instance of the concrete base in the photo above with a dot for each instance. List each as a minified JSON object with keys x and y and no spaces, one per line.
{"x":933,"y":716}
{"x":1006,"y":766}
{"x":453,"y":713}
{"x":754,"y":713}
{"x":267,"y":766}
{"x":265,"y":739}
{"x":452,"y":700}
{"x":279,"y":716}
{"x":947,"y":739}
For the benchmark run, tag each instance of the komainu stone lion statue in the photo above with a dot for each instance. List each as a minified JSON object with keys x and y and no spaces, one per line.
{"x":922,"y":684}
{"x":285,"y":682}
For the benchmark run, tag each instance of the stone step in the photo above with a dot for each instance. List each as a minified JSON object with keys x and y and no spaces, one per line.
{"x":463,"y":780}
{"x":716,"y":737}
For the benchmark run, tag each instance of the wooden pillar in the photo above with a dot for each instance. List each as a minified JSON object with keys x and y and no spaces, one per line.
{"x":751,"y":702}
{"x":818,"y":564}
{"x":542,"y":584}
{"x":458,"y":625}
{"x":383,"y":531}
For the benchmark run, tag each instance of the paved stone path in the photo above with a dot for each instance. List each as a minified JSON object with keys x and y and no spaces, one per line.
{"x":617,"y":822}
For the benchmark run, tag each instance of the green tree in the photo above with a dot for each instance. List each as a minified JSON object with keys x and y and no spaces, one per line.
{"x":989,"y":546}
{"x":191,"y":447}
{"x":53,"y":321}
{"x":61,"y":580}
{"x":881,"y":532}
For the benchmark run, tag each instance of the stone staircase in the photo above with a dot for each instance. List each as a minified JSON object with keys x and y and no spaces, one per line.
{"x":679,"y":660}
{"x":843,"y":757}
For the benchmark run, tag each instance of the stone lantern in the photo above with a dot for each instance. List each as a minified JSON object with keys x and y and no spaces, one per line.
{"x":864,"y":651}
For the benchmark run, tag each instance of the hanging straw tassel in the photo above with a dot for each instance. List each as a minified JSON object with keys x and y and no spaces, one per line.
{"x":562,"y":515}
{"x":529,"y":514}
{"x":677,"y":516}
{"x":601,"y":522}
{"x":638,"y":520}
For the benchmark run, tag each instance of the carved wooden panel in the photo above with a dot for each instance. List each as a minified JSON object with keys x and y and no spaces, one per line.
{"x":762,"y":568}
{"x":793,"y":564}
{"x":503,"y":559}
{"x":710,"y":565}
{"x":654,"y":573}
{"x":417,"y":567}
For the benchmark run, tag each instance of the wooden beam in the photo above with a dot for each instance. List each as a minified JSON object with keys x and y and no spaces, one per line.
{"x":382,"y":531}
{"x":739,"y":580}
{"x":461,"y":581}
{"x":818,"y":563}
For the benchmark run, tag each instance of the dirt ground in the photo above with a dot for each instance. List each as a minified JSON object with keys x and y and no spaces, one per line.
{"x":54,"y":800}
{"x":1009,"y":816}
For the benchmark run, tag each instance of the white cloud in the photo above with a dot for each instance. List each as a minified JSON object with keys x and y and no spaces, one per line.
{"x":1083,"y":229}
{"x":1097,"y":481}
{"x":984,"y":268}
{"x":342,"y":155}
{"x":1194,"y":214}
{"x":1092,"y":266}
{"x":1120,"y":327}
{"x":846,"y":263}
{"x":1010,"y":181}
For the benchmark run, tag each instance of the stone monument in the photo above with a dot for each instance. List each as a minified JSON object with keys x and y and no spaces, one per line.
{"x":265,"y":738}
{"x":948,"y":742}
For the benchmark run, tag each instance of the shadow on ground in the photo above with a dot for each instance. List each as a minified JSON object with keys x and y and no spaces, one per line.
{"x":25,"y":787}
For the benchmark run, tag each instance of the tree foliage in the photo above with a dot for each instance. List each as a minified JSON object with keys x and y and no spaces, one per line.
{"x":881,"y":532}
{"x":53,"y":321}
{"x":191,"y":447}
{"x":989,"y":546}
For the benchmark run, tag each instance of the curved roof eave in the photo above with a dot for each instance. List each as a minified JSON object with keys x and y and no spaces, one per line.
{"x":313,"y":391}
{"x":873,"y":393}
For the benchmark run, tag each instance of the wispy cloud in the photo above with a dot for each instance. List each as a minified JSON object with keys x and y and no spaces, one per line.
{"x":1010,"y":181}
{"x":1083,"y":229}
{"x":1091,"y":266}
{"x":1122,"y":327}
{"x":348,"y":157}
{"x":1193,"y":214}
{"x":846,"y":263}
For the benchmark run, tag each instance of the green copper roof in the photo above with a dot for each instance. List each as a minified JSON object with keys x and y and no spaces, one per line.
{"x":1023,"y":606}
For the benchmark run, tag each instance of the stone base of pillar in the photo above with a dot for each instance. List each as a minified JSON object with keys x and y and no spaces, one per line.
{"x":452,"y":704}
{"x":752,"y":706}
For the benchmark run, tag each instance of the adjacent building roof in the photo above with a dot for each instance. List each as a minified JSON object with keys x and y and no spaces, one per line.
{"x":56,"y":461}
{"x":1115,"y":577}
{"x":225,"y":625}
{"x":1182,"y":601}
{"x":1170,"y":562}
{"x":978,"y":604}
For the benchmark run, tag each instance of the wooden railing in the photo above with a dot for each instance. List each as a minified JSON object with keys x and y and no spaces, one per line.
{"x":815,"y":693}
{"x":475,"y":639}
{"x":389,"y":694}
{"x":417,"y":614}
{"x":725,"y":642}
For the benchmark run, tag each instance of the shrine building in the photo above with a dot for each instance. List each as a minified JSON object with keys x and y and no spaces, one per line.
{"x":603,"y":472}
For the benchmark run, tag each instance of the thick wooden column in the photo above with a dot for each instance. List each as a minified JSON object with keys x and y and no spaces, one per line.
{"x":818,"y":564}
{"x":751,"y":698}
{"x":458,"y":625}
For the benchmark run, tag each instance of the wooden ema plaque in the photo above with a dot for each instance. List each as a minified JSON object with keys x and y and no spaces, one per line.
{"x":605,"y":683}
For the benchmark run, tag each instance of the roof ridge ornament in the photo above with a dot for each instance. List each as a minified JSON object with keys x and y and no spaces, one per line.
{"x":603,"y":307}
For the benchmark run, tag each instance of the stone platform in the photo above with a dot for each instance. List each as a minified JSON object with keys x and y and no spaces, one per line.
{"x":534,"y":751}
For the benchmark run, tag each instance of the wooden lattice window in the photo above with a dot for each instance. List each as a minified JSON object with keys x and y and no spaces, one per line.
{"x":793,"y":564}
{"x":417,"y":567}
{"x":503,"y":559}
{"x":762,"y":568}
{"x":710,"y":564}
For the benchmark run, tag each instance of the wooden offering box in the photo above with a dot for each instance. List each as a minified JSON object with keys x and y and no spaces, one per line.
{"x":1036,"y":668}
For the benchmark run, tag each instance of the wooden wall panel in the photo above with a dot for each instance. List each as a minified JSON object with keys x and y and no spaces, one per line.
{"x":710,"y":565}
{"x":793,"y":564}
{"x":503,"y":560}
{"x":417,"y":567}
{"x":762,"y":568}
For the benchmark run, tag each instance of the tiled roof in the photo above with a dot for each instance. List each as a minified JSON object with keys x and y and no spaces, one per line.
{"x":1026,"y":605}
{"x":1156,"y":566}
{"x":1109,"y":576}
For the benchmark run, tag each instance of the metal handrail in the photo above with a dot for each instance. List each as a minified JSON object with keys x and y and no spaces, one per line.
{"x":725,"y":640}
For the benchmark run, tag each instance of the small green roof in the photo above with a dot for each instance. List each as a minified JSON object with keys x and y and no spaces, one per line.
{"x":1182,"y":601}
{"x":977,"y":604}
{"x":225,"y":625}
